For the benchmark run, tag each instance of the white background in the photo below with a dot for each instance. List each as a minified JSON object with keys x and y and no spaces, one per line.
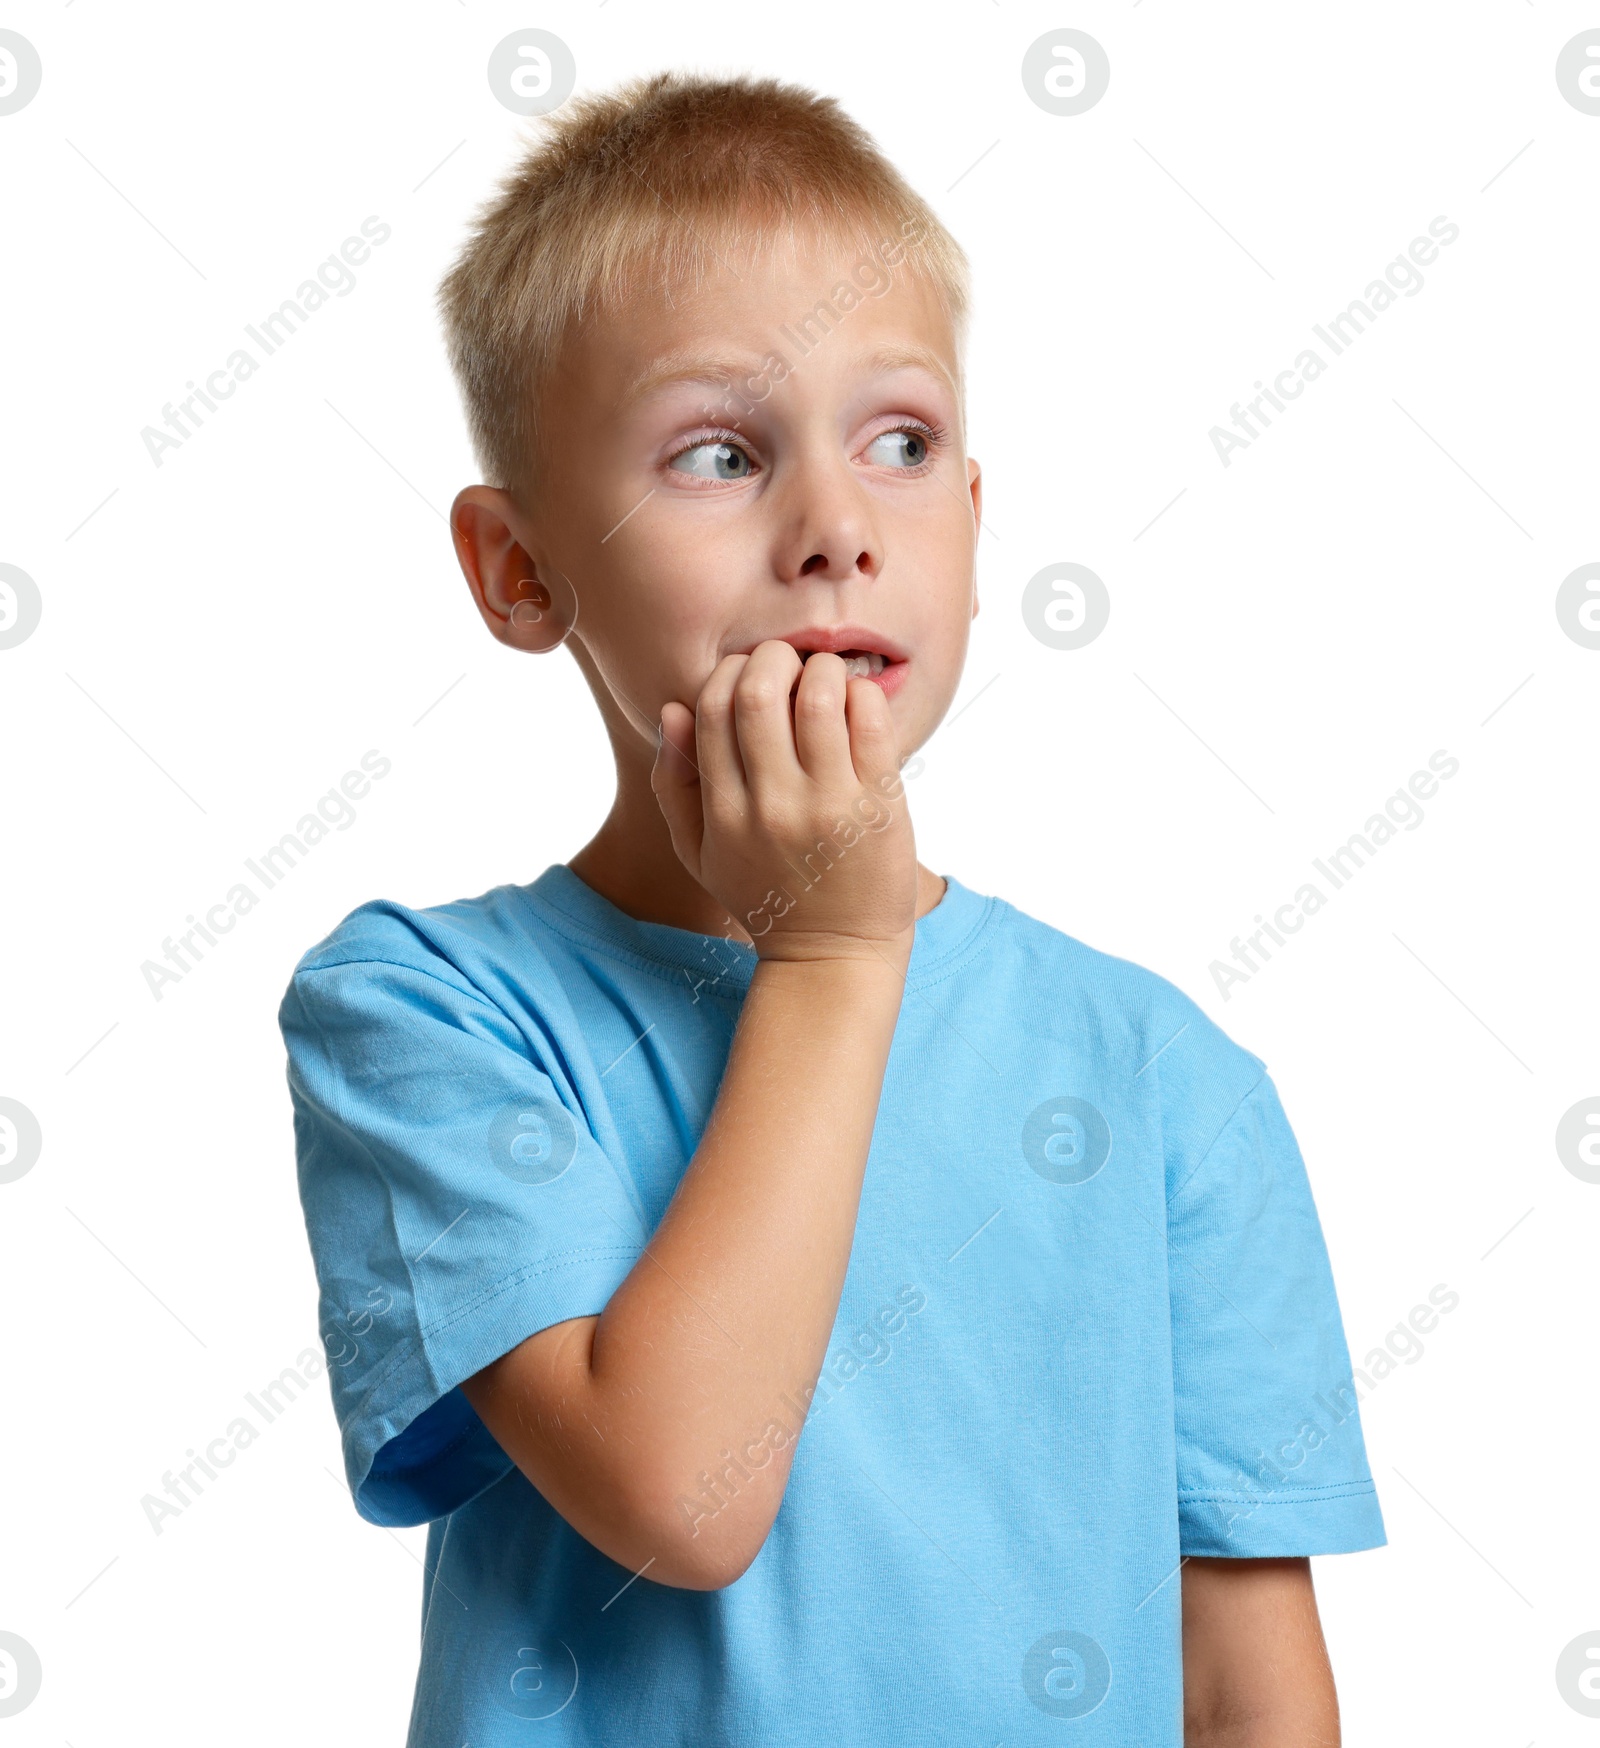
{"x":1374,"y":579}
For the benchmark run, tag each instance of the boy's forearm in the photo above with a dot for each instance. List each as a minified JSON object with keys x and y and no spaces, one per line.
{"x":731,"y":1308}
{"x":1298,"y":1724}
{"x":729,"y":1311}
{"x":1255,"y":1667}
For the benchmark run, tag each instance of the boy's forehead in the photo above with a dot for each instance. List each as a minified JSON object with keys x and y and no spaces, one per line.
{"x":797,"y":307}
{"x":717,"y":367}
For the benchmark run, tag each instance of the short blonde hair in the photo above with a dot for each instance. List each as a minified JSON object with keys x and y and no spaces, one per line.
{"x":646,"y":187}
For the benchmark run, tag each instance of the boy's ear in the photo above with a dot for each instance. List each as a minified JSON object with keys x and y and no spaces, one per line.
{"x":975,"y":486}
{"x":526,"y":606}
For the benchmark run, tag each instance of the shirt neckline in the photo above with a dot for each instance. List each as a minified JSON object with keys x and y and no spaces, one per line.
{"x":712,"y":963}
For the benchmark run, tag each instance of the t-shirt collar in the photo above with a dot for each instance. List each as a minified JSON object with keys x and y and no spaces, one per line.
{"x":573,"y":906}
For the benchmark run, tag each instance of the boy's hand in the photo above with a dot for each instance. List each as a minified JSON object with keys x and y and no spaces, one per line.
{"x":796,"y":823}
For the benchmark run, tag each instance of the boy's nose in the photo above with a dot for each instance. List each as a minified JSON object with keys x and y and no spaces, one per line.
{"x":829,"y":533}
{"x":820,"y":565}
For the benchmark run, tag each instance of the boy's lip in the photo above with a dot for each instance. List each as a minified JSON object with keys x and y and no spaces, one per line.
{"x":833,"y":638}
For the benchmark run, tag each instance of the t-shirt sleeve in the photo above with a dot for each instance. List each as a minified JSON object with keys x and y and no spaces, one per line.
{"x":456,"y":1201}
{"x":1271,"y":1460}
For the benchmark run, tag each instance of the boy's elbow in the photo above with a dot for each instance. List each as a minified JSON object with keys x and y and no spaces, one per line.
{"x":694,"y":1572}
{"x":693,"y":1547}
{"x":727,"y":1566}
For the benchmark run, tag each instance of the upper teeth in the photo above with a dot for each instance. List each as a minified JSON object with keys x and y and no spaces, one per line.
{"x":857,"y":665}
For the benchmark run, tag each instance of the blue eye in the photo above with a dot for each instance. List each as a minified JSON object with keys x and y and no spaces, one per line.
{"x":713,"y":460}
{"x":899,"y":449}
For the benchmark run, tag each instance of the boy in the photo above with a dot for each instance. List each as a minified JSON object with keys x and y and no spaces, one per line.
{"x":809,"y":1302}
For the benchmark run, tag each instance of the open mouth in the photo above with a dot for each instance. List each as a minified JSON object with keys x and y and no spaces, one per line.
{"x":859,"y":664}
{"x":866,"y":652}
{"x":884,"y":669}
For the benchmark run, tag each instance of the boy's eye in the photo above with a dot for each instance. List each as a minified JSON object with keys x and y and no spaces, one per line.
{"x":713,"y":460}
{"x":716,"y":458}
{"x":898,"y":449}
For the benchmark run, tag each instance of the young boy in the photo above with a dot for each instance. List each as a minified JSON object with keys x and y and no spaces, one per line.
{"x":809,"y":1302}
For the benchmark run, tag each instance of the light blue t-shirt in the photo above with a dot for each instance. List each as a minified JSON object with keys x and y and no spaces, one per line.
{"x":1088,"y":1328}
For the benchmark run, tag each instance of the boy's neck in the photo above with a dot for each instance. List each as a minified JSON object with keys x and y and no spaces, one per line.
{"x":631,"y":863}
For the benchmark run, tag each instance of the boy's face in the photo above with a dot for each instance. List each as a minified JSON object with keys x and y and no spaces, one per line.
{"x":778,"y":455}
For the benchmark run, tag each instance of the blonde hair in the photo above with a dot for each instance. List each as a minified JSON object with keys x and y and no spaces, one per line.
{"x":649,"y":186}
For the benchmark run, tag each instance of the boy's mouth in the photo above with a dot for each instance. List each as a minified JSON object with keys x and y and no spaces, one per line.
{"x":865,"y":653}
{"x":859,"y":664}
{"x":885,"y":669}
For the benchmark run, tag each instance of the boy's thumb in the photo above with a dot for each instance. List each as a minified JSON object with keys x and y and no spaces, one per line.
{"x":675,"y":765}
{"x":675,"y":779}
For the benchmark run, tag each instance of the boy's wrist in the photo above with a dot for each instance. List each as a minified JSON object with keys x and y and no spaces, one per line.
{"x":847,"y":957}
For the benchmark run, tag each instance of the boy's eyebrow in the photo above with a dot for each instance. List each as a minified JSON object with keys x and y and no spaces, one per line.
{"x":890,"y":358}
{"x":681,"y":367}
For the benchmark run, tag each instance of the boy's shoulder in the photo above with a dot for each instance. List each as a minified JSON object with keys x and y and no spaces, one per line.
{"x":383,"y":930}
{"x":480,"y":948}
{"x":1131,"y":1016}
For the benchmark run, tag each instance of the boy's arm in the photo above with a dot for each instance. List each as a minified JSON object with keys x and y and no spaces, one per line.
{"x":621,"y":1420}
{"x":1255,"y":1669}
